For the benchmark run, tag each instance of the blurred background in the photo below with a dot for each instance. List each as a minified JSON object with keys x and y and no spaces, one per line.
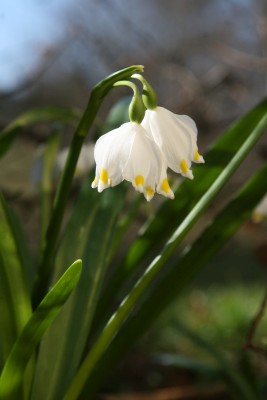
{"x":205,"y":58}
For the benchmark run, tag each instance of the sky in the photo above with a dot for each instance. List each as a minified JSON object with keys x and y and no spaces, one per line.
{"x":31,"y":29}
{"x":27,"y":30}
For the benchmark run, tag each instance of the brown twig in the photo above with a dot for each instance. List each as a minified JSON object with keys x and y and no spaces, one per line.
{"x":253,"y":327}
{"x":257,"y":349}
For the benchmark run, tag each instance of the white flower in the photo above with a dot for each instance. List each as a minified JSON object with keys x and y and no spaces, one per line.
{"x":176,"y":136}
{"x":129,"y":153}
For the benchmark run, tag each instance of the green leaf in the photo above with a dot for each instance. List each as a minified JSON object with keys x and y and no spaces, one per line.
{"x":172,"y":213}
{"x":89,"y":232}
{"x":15,"y":306}
{"x":42,"y":114}
{"x":188,"y":193}
{"x":224,"y":226}
{"x":103,"y":87}
{"x":13,"y":371}
{"x":135,"y":295}
{"x":49,"y":157}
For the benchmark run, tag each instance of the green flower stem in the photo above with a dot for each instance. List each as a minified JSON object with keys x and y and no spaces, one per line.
{"x":149,"y":95}
{"x":136,"y":107}
{"x":129,"y":84}
{"x":128,"y":304}
{"x":50,"y":242}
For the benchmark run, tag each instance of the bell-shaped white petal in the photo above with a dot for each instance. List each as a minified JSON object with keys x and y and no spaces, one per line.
{"x":129,"y":153}
{"x":111,"y":153}
{"x":163,"y":186}
{"x":176,"y":136}
{"x":144,"y":164}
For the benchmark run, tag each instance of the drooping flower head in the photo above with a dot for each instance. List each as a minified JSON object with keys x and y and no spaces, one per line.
{"x":140,"y":151}
{"x":176,"y":136}
{"x":129,"y":153}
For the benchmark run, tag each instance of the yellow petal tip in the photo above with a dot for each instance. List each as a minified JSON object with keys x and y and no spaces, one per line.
{"x":198,"y":158}
{"x":94,"y":183}
{"x":149,"y":193}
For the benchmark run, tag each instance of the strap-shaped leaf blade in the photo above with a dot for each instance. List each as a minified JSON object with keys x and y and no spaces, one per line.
{"x":89,"y":232}
{"x":46,"y":181}
{"x":48,"y":250}
{"x":171,"y":214}
{"x":15,"y":305}
{"x":41,"y":114}
{"x":135,"y":295}
{"x":189,"y":192}
{"x":211,"y":240}
{"x":13,"y":371}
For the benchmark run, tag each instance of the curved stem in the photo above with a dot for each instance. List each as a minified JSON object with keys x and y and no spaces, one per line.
{"x":50,"y":241}
{"x":127,"y":83}
{"x":149,"y":95}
